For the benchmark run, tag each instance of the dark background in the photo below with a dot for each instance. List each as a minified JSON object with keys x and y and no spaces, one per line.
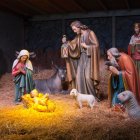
{"x":44,"y":37}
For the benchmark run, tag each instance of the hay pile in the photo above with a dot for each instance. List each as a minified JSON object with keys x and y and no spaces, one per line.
{"x":67,"y":122}
{"x":44,"y":74}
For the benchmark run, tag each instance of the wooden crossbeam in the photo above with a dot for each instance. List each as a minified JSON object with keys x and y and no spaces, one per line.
{"x":13,"y":9}
{"x":34,"y":8}
{"x":79,"y":6}
{"x":127,"y":4}
{"x":55,"y":6}
{"x":87,"y":15}
{"x":100,"y":2}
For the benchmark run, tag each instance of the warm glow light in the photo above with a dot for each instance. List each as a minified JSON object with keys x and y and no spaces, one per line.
{"x":38,"y":102}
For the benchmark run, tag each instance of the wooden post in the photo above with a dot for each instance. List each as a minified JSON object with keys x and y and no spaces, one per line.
{"x":113,"y":31}
{"x":63,"y":26}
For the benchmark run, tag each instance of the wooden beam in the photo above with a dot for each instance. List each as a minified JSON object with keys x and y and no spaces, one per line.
{"x":63,"y":27}
{"x":52,"y":4}
{"x":34,"y":8}
{"x":77,"y":3}
{"x":87,"y":15}
{"x":40,"y":5}
{"x":127,"y":4}
{"x":15,"y":10}
{"x":100,"y":2}
{"x":113,"y":31}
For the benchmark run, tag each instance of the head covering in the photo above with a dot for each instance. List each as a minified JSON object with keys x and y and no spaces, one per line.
{"x":28,"y":63}
{"x":114,"y":52}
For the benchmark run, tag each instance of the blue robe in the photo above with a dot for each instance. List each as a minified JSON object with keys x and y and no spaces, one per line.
{"x":118,"y":87}
{"x":23,"y":83}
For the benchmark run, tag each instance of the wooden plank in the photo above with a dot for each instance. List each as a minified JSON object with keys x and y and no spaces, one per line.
{"x":77,"y":4}
{"x":102,"y":4}
{"x":87,"y":15}
{"x":22,"y":7}
{"x":30,"y":6}
{"x":127,"y":4}
{"x":113,"y":31}
{"x":56,"y":6}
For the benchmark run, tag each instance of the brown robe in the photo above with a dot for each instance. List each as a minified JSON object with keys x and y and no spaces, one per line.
{"x":130,"y":76}
{"x":75,"y":54}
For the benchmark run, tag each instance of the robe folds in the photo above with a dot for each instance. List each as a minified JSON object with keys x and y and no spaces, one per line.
{"x":129,"y":74}
{"x":25,"y":82}
{"x":22,"y":76}
{"x":134,"y":51}
{"x":88,"y":57}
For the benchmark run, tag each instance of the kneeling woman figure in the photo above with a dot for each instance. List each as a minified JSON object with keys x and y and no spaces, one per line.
{"x":22,"y":71}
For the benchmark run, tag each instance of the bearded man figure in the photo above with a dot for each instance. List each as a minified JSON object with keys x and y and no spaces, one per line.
{"x":134,"y":48}
{"x":126,"y":78}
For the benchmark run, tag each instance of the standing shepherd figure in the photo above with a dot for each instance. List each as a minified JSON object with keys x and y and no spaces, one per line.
{"x":134,"y":48}
{"x":22,"y":70}
{"x":83,"y":59}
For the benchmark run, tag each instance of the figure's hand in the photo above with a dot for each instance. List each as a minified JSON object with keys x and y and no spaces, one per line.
{"x":106,"y":67}
{"x":84,"y":45}
{"x":114,"y":70}
{"x":20,"y":69}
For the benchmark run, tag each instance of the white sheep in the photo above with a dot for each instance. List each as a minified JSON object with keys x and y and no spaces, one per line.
{"x":90,"y":99}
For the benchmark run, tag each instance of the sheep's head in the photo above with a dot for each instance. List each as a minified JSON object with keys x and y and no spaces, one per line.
{"x":74,"y":92}
{"x":125,"y":96}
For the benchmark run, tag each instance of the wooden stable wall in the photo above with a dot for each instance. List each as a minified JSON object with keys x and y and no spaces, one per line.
{"x":43,"y":34}
{"x":113,"y":29}
{"x":11,"y":39}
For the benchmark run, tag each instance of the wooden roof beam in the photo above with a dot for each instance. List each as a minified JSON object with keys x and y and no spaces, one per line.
{"x":127,"y":4}
{"x":57,"y":7}
{"x":100,"y":2}
{"x":81,"y":8}
{"x":133,"y":12}
{"x":13,"y":9}
{"x":29,"y":5}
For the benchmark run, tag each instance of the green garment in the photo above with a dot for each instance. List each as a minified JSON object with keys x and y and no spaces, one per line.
{"x":25,"y":82}
{"x":137,"y":62}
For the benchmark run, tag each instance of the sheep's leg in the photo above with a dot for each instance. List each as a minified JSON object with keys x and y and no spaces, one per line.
{"x":91,"y":105}
{"x":80,"y":104}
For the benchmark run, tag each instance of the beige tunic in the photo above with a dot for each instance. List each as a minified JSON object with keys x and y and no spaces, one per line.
{"x":83,"y":64}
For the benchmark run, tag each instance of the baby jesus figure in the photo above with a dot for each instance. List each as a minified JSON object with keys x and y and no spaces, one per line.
{"x":38,"y":101}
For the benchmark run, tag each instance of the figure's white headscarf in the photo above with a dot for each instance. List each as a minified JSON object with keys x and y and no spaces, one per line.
{"x":28,"y":63}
